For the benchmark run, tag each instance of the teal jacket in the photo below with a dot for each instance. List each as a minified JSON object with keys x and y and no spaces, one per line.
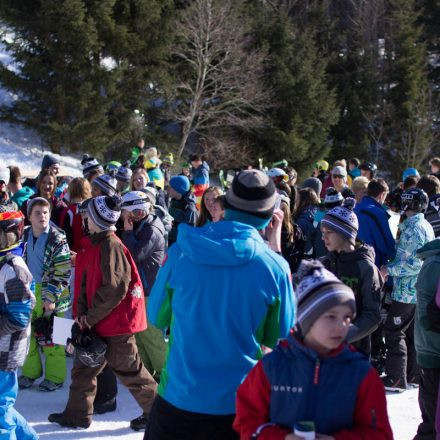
{"x":415,"y":232}
{"x":427,"y":342}
{"x":223,"y":293}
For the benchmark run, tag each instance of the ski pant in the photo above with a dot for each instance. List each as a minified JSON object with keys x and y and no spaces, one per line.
{"x":55,"y":363}
{"x":106,"y":386}
{"x":167,"y":422}
{"x":152,"y":348}
{"x":399,"y":340}
{"x":428,"y":393}
{"x":13,"y":425}
{"x":123,"y":358}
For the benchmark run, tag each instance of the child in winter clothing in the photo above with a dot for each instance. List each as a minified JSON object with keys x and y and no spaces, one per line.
{"x":353,"y":263}
{"x":415,"y":232}
{"x":48,"y":258}
{"x":182,"y":206}
{"x":427,"y":338}
{"x":144,"y":237}
{"x":332,"y":199}
{"x":310,"y":372}
{"x":16,"y":304}
{"x":111,"y":302}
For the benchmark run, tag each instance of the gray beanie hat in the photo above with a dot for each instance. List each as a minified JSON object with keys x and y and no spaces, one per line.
{"x":343,"y":220}
{"x":106,"y":183}
{"x":318,"y":291}
{"x":313,"y":183}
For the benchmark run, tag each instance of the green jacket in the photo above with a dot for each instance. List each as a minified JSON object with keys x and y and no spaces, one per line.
{"x":56,"y":269}
{"x":427,"y":342}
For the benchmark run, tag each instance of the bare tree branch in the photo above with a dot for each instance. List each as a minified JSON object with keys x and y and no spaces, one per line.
{"x":222,"y":77}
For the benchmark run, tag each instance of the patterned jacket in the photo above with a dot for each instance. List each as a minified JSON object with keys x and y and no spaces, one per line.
{"x":56,"y":269}
{"x":16,"y":304}
{"x":415,"y":232}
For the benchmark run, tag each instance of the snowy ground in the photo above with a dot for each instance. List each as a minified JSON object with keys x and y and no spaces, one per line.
{"x":36,"y":406}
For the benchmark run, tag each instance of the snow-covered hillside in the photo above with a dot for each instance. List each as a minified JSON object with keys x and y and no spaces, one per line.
{"x":23,"y":147}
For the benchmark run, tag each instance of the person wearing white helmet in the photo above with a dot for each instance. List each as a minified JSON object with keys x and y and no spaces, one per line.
{"x":144,"y":237}
{"x":278,"y":175}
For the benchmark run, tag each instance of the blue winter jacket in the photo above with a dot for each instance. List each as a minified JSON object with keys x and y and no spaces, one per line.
{"x":374,"y":229}
{"x":223,"y":293}
{"x":305,"y":222}
{"x":307,"y":387}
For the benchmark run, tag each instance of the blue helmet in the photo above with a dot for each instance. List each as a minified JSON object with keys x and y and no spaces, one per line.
{"x":410,"y":172}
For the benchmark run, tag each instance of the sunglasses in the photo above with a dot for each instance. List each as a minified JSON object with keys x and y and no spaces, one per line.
{"x":338,"y":176}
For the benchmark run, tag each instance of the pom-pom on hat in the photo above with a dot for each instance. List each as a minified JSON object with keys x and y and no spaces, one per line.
{"x":105,"y":211}
{"x":333,"y":198}
{"x":90,"y":164}
{"x":318,"y":291}
{"x":343,"y":220}
{"x":124,"y":172}
{"x":251,"y":198}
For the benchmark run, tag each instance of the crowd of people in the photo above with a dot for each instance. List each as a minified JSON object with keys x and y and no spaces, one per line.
{"x":243,"y":310}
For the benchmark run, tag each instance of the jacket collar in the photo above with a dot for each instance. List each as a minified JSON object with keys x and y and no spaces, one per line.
{"x":100,"y":236}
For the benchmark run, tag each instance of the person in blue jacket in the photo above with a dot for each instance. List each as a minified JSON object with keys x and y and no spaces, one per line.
{"x":224,"y":294}
{"x":374,"y":228}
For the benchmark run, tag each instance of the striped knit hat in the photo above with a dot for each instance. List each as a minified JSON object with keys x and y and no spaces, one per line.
{"x":105,"y":211}
{"x":332,"y":198}
{"x":106,"y":183}
{"x":318,"y":291}
{"x":124,"y":172}
{"x":343,"y":220}
{"x":251,"y":199}
{"x":90,"y":164}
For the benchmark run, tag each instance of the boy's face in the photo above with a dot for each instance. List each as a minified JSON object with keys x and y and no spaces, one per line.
{"x":96,"y":191}
{"x":435,"y":169}
{"x":329,"y":331}
{"x":39,"y":217}
{"x":173,"y":193}
{"x":332,"y":240}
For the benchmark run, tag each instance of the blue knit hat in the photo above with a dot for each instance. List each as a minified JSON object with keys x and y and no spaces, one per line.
{"x":180,"y":184}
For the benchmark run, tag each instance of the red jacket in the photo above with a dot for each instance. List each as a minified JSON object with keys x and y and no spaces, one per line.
{"x":111,"y":294}
{"x":284,"y":382}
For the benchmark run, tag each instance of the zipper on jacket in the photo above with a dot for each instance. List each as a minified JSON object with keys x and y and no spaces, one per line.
{"x":373,"y":419}
{"x":316,"y":372}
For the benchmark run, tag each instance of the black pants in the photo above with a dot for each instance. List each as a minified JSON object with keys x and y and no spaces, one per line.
{"x":429,"y":382}
{"x":106,"y":386}
{"x":166,"y":422}
{"x":399,"y":340}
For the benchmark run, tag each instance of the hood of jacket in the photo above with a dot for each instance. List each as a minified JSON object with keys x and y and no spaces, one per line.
{"x":151,"y":220}
{"x":362,"y":252}
{"x":225,"y":243}
{"x":429,"y":249}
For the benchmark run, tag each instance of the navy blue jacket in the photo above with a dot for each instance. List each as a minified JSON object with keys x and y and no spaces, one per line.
{"x":374,"y":229}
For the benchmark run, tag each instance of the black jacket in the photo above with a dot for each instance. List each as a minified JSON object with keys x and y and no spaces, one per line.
{"x":358,"y":271}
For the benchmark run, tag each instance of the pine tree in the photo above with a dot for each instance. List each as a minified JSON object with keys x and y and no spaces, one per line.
{"x":65,"y":90}
{"x":409,"y":124}
{"x":304,"y":108}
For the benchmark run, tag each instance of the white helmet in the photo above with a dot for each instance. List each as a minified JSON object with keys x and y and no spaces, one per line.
{"x":132,"y":200}
{"x":277,"y":172}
